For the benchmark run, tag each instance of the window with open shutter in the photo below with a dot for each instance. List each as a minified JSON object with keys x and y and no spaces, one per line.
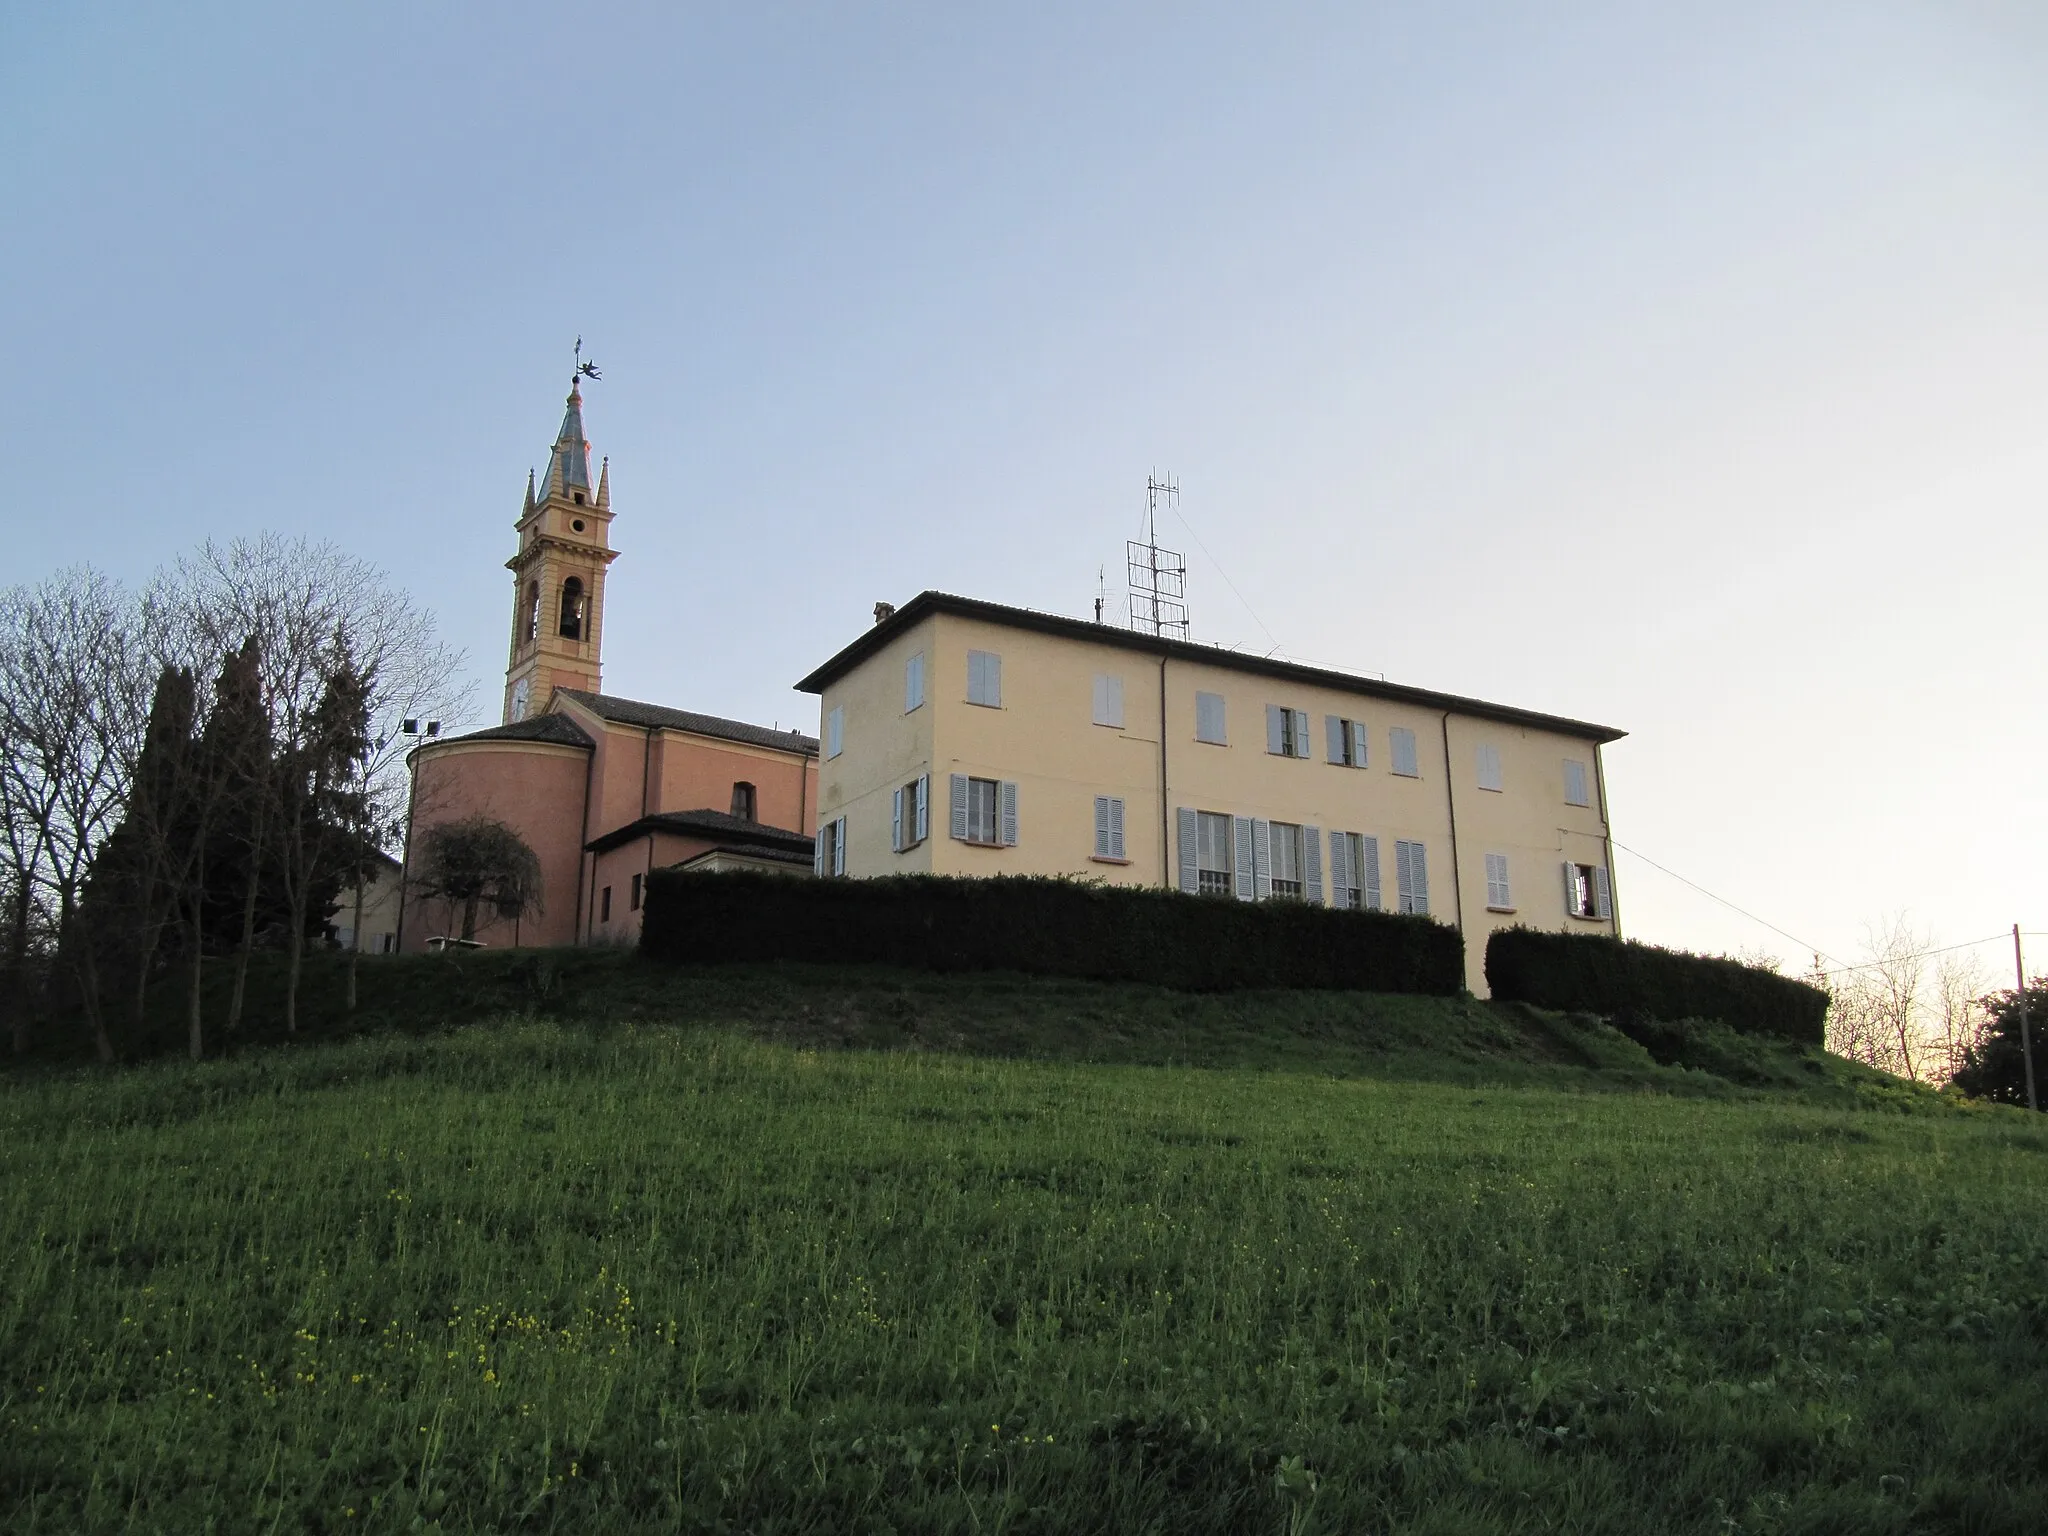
{"x":1335,"y":732}
{"x":958,"y":791}
{"x":1312,"y":864}
{"x":1009,"y":805}
{"x":1188,"y":830}
{"x":1276,"y":730}
{"x":1368,"y":873}
{"x":896,"y":822}
{"x":924,"y":808}
{"x":1262,"y":859}
{"x":1603,"y":894}
{"x":1341,"y":885}
{"x":1300,"y":733}
{"x":1358,"y":737}
{"x":1241,"y":867}
{"x":839,"y":846}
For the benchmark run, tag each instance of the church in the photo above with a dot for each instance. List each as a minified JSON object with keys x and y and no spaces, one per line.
{"x":604,"y":790}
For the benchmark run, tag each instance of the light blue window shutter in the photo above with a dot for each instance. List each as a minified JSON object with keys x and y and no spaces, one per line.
{"x":994,"y":664}
{"x":1102,"y":826}
{"x":1574,"y":782}
{"x":1276,"y":730}
{"x":1262,"y":859}
{"x":958,"y":791}
{"x":1603,"y":894}
{"x":1116,"y":827}
{"x":1368,"y":872}
{"x":1189,"y":831}
{"x":1340,"y":868}
{"x":1241,"y":835}
{"x":1573,"y":906}
{"x":1404,"y":876}
{"x":924,"y":806}
{"x":896,"y":822}
{"x":1358,"y":738}
{"x":818,"y":851}
{"x":1420,"y":860}
{"x":1008,"y":804}
{"x":1312,"y":864}
{"x":1333,"y":737}
{"x":839,"y":846}
{"x":1301,"y":733}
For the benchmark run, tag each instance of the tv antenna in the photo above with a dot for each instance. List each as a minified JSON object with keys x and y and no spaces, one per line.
{"x":1158,"y":577}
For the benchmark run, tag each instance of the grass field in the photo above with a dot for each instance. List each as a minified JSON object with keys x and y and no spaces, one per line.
{"x":730,"y":1275}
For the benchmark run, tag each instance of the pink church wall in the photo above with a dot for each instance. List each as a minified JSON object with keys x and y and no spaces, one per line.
{"x":533,"y":787}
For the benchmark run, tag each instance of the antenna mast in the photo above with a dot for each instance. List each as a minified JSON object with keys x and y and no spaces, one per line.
{"x":1158,"y":577}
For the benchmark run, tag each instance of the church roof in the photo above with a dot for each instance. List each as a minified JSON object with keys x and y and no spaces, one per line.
{"x":661,"y":717}
{"x":572,"y":454}
{"x":735,"y":833}
{"x":559,"y":729}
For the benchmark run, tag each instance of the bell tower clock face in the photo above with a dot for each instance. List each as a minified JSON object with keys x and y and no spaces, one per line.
{"x":522,"y":692}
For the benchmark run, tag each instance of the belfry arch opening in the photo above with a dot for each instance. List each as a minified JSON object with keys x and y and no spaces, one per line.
{"x":529,"y":627}
{"x":572,"y":609}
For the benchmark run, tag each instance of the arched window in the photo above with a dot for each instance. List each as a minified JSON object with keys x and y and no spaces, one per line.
{"x":530,"y":628}
{"x":743,"y":801}
{"x":572,"y":609}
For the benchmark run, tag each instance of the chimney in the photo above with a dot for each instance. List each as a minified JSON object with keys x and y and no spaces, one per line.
{"x":884,"y":612}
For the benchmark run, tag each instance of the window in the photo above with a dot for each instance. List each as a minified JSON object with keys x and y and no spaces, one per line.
{"x":1587,"y":892}
{"x":572,"y":609}
{"x":913,"y":682}
{"x":1209,"y":719}
{"x":1109,"y":700}
{"x":1489,"y":767}
{"x":984,"y":811}
{"x":910,"y":815}
{"x":1575,"y":783}
{"x":633,"y":896}
{"x":1212,"y":858}
{"x":1497,"y":897}
{"x":604,"y":905}
{"x":1345,"y":740}
{"x":531,"y":624}
{"x":1404,"y":754}
{"x":1355,"y":871}
{"x":1411,"y":878}
{"x":1109,"y":827}
{"x":835,"y":731}
{"x":1287,"y":860}
{"x":985,"y":679}
{"x":1286,"y":731}
{"x":743,"y":801}
{"x":830,"y":859}
{"x":387,"y":943}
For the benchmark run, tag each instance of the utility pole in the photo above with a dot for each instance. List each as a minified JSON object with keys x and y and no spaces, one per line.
{"x":2026,"y":1034}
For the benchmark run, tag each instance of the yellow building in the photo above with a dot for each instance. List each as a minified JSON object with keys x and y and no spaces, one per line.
{"x":967,"y":738}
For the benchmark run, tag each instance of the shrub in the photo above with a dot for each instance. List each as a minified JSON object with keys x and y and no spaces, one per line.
{"x":1616,"y":977}
{"x":1047,"y":927}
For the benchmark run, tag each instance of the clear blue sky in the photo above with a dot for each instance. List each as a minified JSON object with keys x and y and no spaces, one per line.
{"x":1684,"y":368}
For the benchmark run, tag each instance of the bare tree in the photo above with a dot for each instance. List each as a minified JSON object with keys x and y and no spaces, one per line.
{"x":75,"y":690}
{"x":480,"y":862}
{"x":311,"y":610}
{"x":1957,"y":1010}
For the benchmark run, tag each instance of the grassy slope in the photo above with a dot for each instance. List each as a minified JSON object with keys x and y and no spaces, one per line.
{"x":623,"y":1275}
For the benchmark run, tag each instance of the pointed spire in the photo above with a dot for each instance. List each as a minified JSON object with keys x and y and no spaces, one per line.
{"x":604,"y":484}
{"x":528,"y":509}
{"x":569,"y":464}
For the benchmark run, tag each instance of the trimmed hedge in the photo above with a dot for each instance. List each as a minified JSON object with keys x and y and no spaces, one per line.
{"x":1597,"y":974}
{"x":1047,"y":927}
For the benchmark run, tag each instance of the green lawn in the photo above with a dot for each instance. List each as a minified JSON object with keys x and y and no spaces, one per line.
{"x":622,"y":1276}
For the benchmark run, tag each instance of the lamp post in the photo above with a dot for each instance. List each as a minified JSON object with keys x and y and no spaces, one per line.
{"x":420,"y":738}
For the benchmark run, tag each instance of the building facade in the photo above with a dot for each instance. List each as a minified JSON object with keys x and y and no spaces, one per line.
{"x":967,"y":738}
{"x":602,"y":789}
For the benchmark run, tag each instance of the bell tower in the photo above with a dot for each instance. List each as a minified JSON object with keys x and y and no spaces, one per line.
{"x":558,"y":573}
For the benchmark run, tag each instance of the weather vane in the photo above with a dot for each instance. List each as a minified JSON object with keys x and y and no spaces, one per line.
{"x":587,"y":370}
